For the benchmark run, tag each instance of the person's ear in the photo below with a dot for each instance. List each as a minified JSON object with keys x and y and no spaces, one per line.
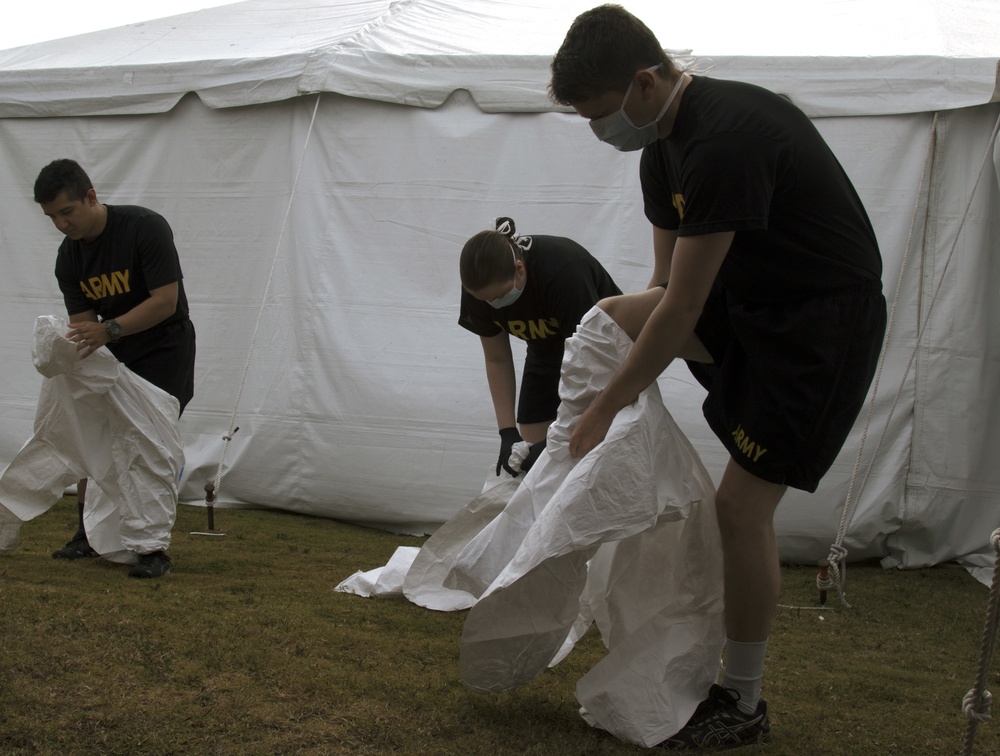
{"x":645,"y":82}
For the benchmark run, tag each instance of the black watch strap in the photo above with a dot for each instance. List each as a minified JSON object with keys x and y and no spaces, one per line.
{"x":114,"y":330}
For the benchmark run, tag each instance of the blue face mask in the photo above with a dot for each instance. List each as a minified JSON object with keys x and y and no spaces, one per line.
{"x":619,"y":131}
{"x":511,"y":296}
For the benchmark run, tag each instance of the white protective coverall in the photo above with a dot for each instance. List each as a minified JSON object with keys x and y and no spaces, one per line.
{"x":625,"y":537}
{"x":96,"y":419}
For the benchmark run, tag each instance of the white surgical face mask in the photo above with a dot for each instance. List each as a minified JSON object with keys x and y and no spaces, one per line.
{"x":507,"y":299}
{"x":511,"y":296}
{"x":619,"y":131}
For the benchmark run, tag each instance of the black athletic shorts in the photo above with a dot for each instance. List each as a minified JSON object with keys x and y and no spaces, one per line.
{"x":164,"y":356}
{"x":538,"y":401}
{"x":789,"y":380}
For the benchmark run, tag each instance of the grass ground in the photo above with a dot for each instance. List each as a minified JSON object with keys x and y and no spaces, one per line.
{"x":246,"y":649}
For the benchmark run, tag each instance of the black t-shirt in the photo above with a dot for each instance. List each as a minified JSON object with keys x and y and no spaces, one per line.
{"x":115,"y":272}
{"x":563,"y":282}
{"x":743,"y":159}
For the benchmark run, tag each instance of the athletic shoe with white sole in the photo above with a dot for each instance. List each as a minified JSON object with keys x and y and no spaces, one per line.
{"x":718,"y":724}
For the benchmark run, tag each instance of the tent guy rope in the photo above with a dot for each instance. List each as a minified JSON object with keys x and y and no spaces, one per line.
{"x":977,"y":703}
{"x":213,"y":493}
{"x":838,"y":552}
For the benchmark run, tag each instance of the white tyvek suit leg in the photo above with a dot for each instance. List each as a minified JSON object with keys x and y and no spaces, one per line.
{"x":32,"y":483}
{"x":97,"y":419}
{"x":147,"y":477}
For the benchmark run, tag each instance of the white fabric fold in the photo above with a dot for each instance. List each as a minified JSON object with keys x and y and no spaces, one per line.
{"x":96,"y":419}
{"x":627,"y":535}
{"x":625,"y":538}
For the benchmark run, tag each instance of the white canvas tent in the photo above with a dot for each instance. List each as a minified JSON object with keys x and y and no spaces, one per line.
{"x":322,"y":163}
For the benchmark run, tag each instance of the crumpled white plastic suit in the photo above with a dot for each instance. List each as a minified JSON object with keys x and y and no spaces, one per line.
{"x":625,"y":537}
{"x":96,"y":419}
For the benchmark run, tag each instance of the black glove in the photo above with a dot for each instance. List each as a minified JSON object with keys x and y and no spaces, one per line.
{"x":508,"y":437}
{"x":534,"y":452}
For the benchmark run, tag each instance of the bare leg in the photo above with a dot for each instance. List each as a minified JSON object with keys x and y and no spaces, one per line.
{"x":534,"y":432}
{"x":631,"y":311}
{"x":81,"y":495}
{"x":746,"y":505}
{"x":752,"y":578}
{"x":78,"y":545}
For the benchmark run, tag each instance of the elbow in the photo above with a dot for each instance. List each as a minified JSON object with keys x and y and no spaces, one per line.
{"x":686,"y":314}
{"x":168,"y":310}
{"x":165,"y":307}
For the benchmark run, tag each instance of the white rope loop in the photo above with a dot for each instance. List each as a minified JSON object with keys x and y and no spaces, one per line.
{"x":824,"y":584}
{"x":979,"y":711}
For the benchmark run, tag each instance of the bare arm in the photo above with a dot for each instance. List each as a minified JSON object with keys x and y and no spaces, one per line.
{"x":663,"y":252}
{"x":695,"y":263}
{"x":90,"y":335}
{"x":500,"y":375}
{"x":84,"y":317}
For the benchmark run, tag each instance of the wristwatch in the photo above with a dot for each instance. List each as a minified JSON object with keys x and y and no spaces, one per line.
{"x":114,"y":329}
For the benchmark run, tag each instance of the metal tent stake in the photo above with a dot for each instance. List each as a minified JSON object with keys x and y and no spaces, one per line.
{"x":823,"y":581}
{"x":210,"y":508}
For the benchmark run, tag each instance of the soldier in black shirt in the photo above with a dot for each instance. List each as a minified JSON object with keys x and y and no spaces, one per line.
{"x":121,"y":280}
{"x":537,"y":289}
{"x":765,"y":258}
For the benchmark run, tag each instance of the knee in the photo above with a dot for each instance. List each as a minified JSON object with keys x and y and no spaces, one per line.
{"x":624,"y":311}
{"x":610,"y":305}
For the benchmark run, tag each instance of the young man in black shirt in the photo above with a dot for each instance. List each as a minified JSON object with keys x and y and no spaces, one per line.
{"x":121,"y":280}
{"x":764,"y":256}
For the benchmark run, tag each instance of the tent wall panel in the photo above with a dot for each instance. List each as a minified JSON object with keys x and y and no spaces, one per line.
{"x":363,"y":399}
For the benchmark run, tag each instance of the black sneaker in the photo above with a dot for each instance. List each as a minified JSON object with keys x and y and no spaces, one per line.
{"x":153,"y":565}
{"x":718,"y":724}
{"x":77,"y":548}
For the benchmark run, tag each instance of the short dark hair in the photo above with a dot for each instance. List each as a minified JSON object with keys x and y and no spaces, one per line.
{"x":63,"y":175}
{"x":487,"y":258}
{"x":603,"y":49}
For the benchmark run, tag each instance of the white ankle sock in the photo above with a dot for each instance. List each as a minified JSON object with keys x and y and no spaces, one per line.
{"x":744,"y":672}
